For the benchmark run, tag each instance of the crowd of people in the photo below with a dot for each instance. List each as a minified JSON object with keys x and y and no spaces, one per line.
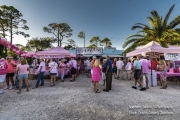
{"x":95,"y":68}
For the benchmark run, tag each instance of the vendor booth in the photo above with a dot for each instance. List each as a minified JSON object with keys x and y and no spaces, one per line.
{"x":57,"y":52}
{"x":152,"y":48}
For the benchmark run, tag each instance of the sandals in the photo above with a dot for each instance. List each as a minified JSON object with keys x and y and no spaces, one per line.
{"x":27,"y":90}
{"x":97,"y":91}
{"x":18,"y":92}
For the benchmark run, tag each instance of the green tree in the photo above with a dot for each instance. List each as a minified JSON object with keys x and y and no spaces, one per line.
{"x":60,"y":31}
{"x":71,"y":44}
{"x":106,"y":42}
{"x":160,"y":31}
{"x":69,"y":47}
{"x":15,"y":21}
{"x":82,"y":36}
{"x":39,"y":44}
{"x":92,"y":46}
{"x":3,"y":30}
{"x":11,"y":53}
{"x":95,"y":40}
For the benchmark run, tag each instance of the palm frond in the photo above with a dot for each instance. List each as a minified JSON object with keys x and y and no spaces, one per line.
{"x":174,"y":22}
{"x":134,"y":35}
{"x":136,"y":26}
{"x":167,"y":16}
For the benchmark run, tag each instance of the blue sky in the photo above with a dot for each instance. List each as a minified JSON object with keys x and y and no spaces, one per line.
{"x":103,"y":18}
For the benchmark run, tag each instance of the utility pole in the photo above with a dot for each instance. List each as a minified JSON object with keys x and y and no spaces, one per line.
{"x":84,"y":40}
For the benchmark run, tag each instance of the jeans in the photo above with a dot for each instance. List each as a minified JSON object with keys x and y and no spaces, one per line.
{"x":62,"y":76}
{"x":40,"y":78}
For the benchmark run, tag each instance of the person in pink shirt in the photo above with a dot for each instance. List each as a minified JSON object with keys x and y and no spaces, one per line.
{"x":10,"y":72}
{"x":3,"y":72}
{"x":62,"y":69}
{"x":145,"y":69}
{"x":22,"y":70}
{"x":73,"y":65}
{"x":96,"y":75}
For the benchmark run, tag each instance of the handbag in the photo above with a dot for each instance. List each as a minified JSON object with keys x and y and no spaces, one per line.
{"x":36,"y":72}
{"x":52,"y":67}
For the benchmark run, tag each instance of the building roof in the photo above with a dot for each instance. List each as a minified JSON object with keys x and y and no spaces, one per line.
{"x":106,"y":51}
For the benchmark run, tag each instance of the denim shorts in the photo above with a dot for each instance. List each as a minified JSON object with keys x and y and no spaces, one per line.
{"x":23,"y":76}
{"x":2,"y":78}
{"x":53,"y":73}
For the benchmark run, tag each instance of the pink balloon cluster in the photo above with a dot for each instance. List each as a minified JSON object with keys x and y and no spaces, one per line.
{"x":15,"y":49}
{"x":28,"y":54}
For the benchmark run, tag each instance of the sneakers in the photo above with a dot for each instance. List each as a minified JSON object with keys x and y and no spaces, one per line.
{"x":134,"y":87}
{"x":142,"y":89}
{"x":7,"y":87}
{"x":12,"y":87}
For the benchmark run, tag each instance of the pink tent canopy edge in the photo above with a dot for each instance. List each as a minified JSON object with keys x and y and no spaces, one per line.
{"x":154,"y":47}
{"x":54,"y":51}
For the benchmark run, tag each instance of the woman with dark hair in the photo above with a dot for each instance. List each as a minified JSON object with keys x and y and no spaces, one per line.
{"x":115,"y":68}
{"x":163,"y":74}
{"x":22,"y":70}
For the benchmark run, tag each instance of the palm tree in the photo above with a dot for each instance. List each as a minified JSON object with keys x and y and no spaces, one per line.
{"x":95,"y":40}
{"x":160,"y":31}
{"x":92,"y":46}
{"x":82,"y":35}
{"x":106,"y":42}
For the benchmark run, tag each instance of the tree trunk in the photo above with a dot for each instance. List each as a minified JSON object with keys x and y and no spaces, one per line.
{"x":60,"y":43}
{"x":11,"y":35}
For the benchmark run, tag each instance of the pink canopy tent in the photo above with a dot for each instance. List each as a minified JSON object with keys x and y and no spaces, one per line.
{"x":57,"y":52}
{"x":154,"y":47}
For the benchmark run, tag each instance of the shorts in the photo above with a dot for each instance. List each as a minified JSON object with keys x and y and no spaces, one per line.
{"x":145,"y":74}
{"x":22,"y":76}
{"x":9,"y":75}
{"x":137,"y":74}
{"x":114,"y":69}
{"x":73,"y":70}
{"x":53,"y":73}
{"x":2,"y":78}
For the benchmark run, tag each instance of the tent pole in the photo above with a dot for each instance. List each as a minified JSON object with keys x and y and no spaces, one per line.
{"x":151,"y":71}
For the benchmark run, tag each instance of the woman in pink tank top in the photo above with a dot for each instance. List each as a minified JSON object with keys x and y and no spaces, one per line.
{"x":23,"y":70}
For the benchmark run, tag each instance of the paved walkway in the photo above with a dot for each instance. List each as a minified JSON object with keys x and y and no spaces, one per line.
{"x":77,"y":101}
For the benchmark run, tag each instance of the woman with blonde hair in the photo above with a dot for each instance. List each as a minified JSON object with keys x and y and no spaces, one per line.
{"x":23,"y":70}
{"x":163,"y":74}
{"x":96,"y":75}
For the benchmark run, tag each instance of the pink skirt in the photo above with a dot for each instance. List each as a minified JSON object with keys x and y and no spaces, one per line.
{"x":96,"y":74}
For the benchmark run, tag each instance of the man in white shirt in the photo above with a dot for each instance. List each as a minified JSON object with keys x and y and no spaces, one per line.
{"x":41,"y":70}
{"x":53,"y":66}
{"x":119,"y":65}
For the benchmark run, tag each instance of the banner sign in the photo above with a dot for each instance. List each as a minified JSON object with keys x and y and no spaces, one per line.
{"x":172,"y":56}
{"x":89,"y":51}
{"x":50,"y":56}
